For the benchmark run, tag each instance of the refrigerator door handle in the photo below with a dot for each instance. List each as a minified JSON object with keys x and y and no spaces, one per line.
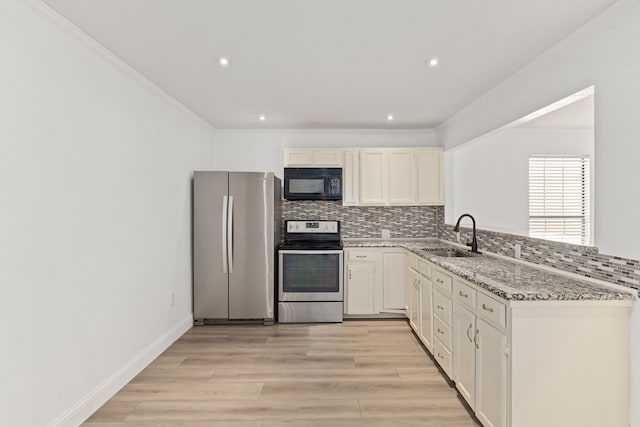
{"x":225,"y":212}
{"x":230,"y":235}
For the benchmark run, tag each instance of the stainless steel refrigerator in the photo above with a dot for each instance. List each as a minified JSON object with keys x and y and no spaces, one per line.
{"x":236,"y":230}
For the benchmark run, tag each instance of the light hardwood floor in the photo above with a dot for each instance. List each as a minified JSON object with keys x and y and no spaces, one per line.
{"x":355,"y":374}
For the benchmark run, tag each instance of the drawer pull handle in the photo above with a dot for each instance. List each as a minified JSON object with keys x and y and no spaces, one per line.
{"x":361,"y":256}
{"x":469,"y":333}
{"x":489,"y":309}
{"x":440,"y":331}
{"x":463,"y":295}
{"x":439,"y":281}
{"x":440,"y":356}
{"x":440,"y":307}
{"x":475,"y":339}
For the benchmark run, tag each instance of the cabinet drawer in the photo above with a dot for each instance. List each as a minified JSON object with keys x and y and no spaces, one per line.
{"x":443,"y":357}
{"x":442,"y":332}
{"x":424,"y":268}
{"x":412,"y":262}
{"x":442,"y":281}
{"x":442,"y":307}
{"x":364,"y":256}
{"x":492,"y":310}
{"x":464,"y":294}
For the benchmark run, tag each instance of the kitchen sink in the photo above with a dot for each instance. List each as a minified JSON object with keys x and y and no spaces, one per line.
{"x":449,"y":253}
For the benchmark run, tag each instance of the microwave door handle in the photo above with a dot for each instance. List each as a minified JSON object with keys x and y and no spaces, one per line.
{"x":230,"y":235}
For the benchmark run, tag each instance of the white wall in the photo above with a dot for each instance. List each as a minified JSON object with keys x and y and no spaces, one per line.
{"x":263,"y":151}
{"x":491,"y":176}
{"x":95,"y":170}
{"x":603,"y":53}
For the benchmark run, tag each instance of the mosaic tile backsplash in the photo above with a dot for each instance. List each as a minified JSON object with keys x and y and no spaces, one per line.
{"x":367,"y":222}
{"x":582,"y":260}
{"x":428,"y":221}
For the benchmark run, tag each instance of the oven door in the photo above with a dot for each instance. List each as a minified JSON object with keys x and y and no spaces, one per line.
{"x":308,"y":275}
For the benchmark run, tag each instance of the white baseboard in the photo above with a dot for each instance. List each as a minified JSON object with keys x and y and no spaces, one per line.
{"x":85,"y":407}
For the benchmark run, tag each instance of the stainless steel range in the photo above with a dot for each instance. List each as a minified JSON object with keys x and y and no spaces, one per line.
{"x":310,"y":287}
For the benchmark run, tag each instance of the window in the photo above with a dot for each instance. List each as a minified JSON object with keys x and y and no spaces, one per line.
{"x":559,"y":202}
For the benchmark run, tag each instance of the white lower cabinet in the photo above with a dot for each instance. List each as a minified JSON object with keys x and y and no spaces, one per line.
{"x":425,"y":312}
{"x":419,"y":312}
{"x":480,"y":353}
{"x":464,"y":358}
{"x":360,"y":289}
{"x":491,"y":375}
{"x":528,"y":363}
{"x":393,"y":280}
{"x":374,"y":280}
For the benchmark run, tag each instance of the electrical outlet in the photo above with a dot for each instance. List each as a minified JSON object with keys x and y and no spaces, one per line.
{"x":173,"y":299}
{"x":517,"y":249}
{"x":386,"y":234}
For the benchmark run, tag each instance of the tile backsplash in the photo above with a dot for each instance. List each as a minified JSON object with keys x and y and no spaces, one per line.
{"x":428,"y":221}
{"x":368,"y":222}
{"x":582,"y":260}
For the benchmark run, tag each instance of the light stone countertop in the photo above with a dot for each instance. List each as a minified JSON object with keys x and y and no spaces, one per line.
{"x":506,"y":279}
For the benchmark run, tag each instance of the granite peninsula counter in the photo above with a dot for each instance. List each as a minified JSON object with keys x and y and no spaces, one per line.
{"x":506,"y":279}
{"x":518,"y":342}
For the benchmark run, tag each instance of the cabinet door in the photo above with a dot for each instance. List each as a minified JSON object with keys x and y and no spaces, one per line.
{"x":359,"y":292}
{"x":402,"y":177}
{"x":350,"y":178}
{"x":491,"y":375}
{"x":426,"y":319}
{"x":327,"y":158}
{"x":464,"y":354}
{"x":408,"y":284}
{"x":414,"y":308}
{"x":373,"y":177}
{"x":298,"y":157}
{"x":393,"y":281}
{"x":430,"y":177}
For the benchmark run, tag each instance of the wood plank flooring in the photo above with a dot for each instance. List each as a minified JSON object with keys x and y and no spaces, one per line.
{"x":355,"y":374}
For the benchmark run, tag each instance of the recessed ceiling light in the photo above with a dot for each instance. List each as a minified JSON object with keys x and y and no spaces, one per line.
{"x":390,"y":117}
{"x":262,"y":117}
{"x":433,"y":62}
{"x":223,"y":61}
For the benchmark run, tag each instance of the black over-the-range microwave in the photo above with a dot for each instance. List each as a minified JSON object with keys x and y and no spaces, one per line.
{"x":313,"y":183}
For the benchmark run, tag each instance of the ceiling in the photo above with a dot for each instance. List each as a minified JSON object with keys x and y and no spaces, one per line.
{"x":327,"y":64}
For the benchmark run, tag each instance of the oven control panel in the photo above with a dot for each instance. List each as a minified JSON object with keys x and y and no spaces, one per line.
{"x":312,"y":226}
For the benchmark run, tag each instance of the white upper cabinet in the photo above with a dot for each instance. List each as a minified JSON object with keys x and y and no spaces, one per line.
{"x":380,"y":176}
{"x":350,"y":178}
{"x":313,"y":157}
{"x":430,"y":176}
{"x":402,"y":176}
{"x":393,"y":177}
{"x":373,"y":177}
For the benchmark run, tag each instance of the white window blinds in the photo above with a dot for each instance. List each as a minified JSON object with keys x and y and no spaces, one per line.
{"x":559,"y":199}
